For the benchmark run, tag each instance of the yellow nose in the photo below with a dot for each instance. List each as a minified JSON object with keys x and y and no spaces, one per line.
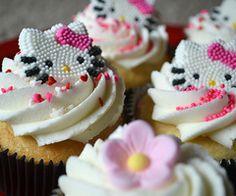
{"x":233,"y":25}
{"x":65,"y":68}
{"x":122,"y":19}
{"x":212,"y":83}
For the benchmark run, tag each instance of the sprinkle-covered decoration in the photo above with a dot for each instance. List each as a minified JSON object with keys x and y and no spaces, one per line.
{"x":220,"y":17}
{"x":140,"y":12}
{"x":139,"y":159}
{"x":60,"y":52}
{"x":210,"y":65}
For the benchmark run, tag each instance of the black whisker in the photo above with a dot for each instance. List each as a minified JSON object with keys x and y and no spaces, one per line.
{"x":96,"y":8}
{"x":177,"y":70}
{"x":94,"y":51}
{"x":28,"y":60}
{"x":152,"y":21}
{"x":101,"y":1}
{"x":43,"y":78}
{"x":93,"y":71}
{"x":98,"y":62}
{"x":178,"y":81}
{"x":32,"y":72}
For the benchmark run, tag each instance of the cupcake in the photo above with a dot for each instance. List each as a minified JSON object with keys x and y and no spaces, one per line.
{"x":130,"y":35}
{"x":219,"y":23}
{"x":194,"y":97}
{"x":57,"y":94}
{"x":135,"y":162}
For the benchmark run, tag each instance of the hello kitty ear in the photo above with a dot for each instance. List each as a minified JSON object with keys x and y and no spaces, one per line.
{"x":185,"y":51}
{"x":30,"y":40}
{"x":78,"y":28}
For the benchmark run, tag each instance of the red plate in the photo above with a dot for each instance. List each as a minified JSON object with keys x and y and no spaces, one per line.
{"x":10,"y":47}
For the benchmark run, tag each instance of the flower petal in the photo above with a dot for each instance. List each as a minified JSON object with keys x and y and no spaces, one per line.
{"x":155,"y":176}
{"x":115,"y":154}
{"x":137,"y":135}
{"x":164,"y":149}
{"x":123,"y":179}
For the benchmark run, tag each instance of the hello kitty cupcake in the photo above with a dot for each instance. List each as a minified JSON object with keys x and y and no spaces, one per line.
{"x":218,"y":23}
{"x":57,"y":94}
{"x":130,"y":35}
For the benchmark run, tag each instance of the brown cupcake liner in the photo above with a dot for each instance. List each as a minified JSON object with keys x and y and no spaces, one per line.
{"x":22,"y":177}
{"x":131,"y":100}
{"x":230,"y":167}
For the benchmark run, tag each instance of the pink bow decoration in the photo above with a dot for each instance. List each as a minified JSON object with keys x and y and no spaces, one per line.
{"x":143,"y":6}
{"x":65,"y":36}
{"x":216,"y":52}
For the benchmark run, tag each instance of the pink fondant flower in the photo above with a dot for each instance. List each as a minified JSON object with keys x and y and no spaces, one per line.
{"x":140,"y":159}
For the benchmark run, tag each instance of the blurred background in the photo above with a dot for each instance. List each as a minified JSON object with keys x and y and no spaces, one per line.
{"x":17,"y":14}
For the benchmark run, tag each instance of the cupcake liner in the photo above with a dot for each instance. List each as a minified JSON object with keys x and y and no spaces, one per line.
{"x":132,"y":97}
{"x":230,"y":167}
{"x":22,"y":177}
{"x":57,"y":192}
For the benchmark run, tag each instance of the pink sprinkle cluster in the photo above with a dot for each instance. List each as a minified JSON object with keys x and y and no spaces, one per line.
{"x":65,"y":36}
{"x":190,"y":88}
{"x":211,"y":95}
{"x":143,"y":6}
{"x":6,"y":90}
{"x":216,"y":52}
{"x":227,"y":109}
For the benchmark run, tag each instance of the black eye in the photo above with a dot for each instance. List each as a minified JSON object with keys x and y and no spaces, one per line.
{"x":228,"y":77}
{"x":80,"y":59}
{"x":49,"y":63}
{"x":136,"y":19}
{"x":28,"y":60}
{"x":112,"y":9}
{"x":96,"y":8}
{"x":196,"y":76}
{"x":226,"y":18}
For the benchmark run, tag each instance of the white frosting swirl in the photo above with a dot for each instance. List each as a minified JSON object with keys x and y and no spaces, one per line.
{"x":74,"y":113}
{"x":191,"y":121}
{"x":196,"y":174}
{"x":124,"y":43}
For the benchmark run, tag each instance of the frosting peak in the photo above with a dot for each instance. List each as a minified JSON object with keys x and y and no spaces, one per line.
{"x":59,"y":73}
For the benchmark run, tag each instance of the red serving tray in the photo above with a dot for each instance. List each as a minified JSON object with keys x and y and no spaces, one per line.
{"x":10,"y":47}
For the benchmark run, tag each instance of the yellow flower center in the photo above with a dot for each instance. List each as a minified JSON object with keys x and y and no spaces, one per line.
{"x":212,"y":83}
{"x":138,"y":162}
{"x":66,"y":68}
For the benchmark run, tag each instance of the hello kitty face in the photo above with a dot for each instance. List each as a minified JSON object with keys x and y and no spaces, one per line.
{"x":61,"y":52}
{"x":212,"y":65}
{"x":140,"y":12}
{"x":225,"y":13}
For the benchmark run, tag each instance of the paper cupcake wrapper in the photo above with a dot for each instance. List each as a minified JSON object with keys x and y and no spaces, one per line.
{"x":230,"y":167}
{"x":22,"y":177}
{"x":131,"y":101}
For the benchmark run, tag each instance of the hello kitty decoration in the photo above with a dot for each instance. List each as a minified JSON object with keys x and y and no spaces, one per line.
{"x":209,"y":65}
{"x":60,"y":52}
{"x":140,"y":12}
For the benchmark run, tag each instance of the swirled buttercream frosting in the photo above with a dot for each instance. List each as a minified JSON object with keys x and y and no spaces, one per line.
{"x":59,"y":87}
{"x":135,"y":162}
{"x":218,"y":23}
{"x":127,"y":35}
{"x":196,"y":92}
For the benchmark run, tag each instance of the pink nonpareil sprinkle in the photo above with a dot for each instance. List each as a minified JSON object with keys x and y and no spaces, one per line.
{"x":37,"y":98}
{"x":6,"y":90}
